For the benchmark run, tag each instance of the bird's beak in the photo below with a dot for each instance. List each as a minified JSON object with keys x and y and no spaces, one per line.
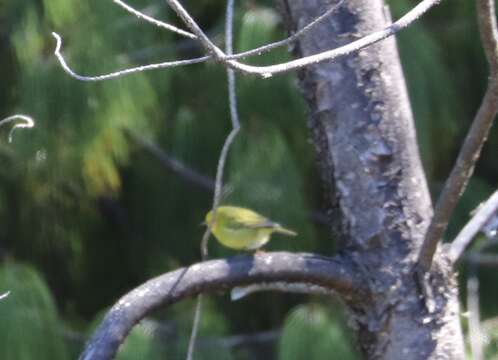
{"x":203,"y":223}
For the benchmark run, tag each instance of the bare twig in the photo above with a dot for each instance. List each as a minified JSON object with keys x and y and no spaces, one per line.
{"x":195,"y":328}
{"x":116,"y":74}
{"x":474,"y":313}
{"x":475,"y":260}
{"x":294,"y":37}
{"x":478,"y":257}
{"x":337,"y":274}
{"x":234,"y":117}
{"x":163,"y":65}
{"x":4,"y":295}
{"x":156,"y":22}
{"x":197,"y":178}
{"x":174,"y":164}
{"x":168,"y":64}
{"x":28,"y":122}
{"x":263,"y":71}
{"x":268,"y":71}
{"x":211,"y":48}
{"x":470,"y":230}
{"x":471,"y":149}
{"x":403,"y":22}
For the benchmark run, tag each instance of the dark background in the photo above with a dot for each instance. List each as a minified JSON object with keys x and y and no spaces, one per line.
{"x":87,"y":212}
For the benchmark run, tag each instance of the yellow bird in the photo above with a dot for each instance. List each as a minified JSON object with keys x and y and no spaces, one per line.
{"x":243,"y":229}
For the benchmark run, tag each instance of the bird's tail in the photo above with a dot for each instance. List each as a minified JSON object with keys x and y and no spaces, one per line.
{"x":281,"y":230}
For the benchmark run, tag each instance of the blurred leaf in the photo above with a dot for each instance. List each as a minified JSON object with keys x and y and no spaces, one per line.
{"x":434,"y":100}
{"x":490,"y":341}
{"x":29,"y":326}
{"x":311,"y":332}
{"x":213,"y":326}
{"x":140,"y":344}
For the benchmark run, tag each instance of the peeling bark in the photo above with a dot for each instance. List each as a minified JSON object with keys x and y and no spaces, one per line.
{"x":373,"y":182}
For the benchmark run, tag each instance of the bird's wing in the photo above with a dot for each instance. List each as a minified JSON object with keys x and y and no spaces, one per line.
{"x":266,"y":224}
{"x":248,"y":219}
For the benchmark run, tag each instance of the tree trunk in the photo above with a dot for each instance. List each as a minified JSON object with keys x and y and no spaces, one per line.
{"x":375,"y":188}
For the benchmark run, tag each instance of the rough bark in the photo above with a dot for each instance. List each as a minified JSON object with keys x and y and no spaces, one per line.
{"x":374,"y":186}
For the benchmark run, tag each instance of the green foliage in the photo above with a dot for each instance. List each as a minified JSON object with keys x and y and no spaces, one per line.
{"x":140,"y":345}
{"x":79,"y":148}
{"x":490,"y":329}
{"x":167,"y":338}
{"x":434,"y":99}
{"x":29,"y":326}
{"x":212,"y":328}
{"x":313,"y":332}
{"x":90,"y":119}
{"x":79,"y":198}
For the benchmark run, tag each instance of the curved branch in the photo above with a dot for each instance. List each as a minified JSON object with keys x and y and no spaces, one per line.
{"x":119,"y":73}
{"x":270,"y":70}
{"x":336,"y":274}
{"x":28,"y":123}
{"x":477,"y":135}
{"x":153,"y":21}
{"x":173,"y":164}
{"x":4,"y":295}
{"x":263,"y":71}
{"x":289,"y":40}
{"x":355,"y":46}
{"x":469,"y":231}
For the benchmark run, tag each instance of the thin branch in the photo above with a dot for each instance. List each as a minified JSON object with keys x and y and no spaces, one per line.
{"x":213,"y":276}
{"x":4,"y":295}
{"x":210,"y":47}
{"x":27,"y":123}
{"x":156,"y":22}
{"x":489,"y":32}
{"x":234,"y":117}
{"x":173,"y":164}
{"x":485,"y":260}
{"x":268,"y":71}
{"x":474,"y":313}
{"x":195,"y":177}
{"x":256,"y":51}
{"x":490,"y":229}
{"x":116,"y":74}
{"x":471,"y":149}
{"x":263,"y":71}
{"x":294,"y":37}
{"x":355,"y":46}
{"x":163,"y":65}
{"x":478,"y":257}
{"x":195,"y":328}
{"x":470,"y":230}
